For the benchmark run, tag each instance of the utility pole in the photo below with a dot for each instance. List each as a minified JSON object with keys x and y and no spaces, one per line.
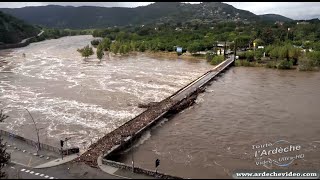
{"x":61,"y":144}
{"x":225,"y":47}
{"x":235,"y":50}
{"x":37,"y":131}
{"x":132,"y":160}
{"x":157,"y":163}
{"x":66,"y":140}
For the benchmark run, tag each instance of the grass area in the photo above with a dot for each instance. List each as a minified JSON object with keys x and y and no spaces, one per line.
{"x":217,"y":60}
{"x":247,"y":63}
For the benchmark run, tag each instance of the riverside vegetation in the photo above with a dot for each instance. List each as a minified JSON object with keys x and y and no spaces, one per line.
{"x":290,"y":44}
{"x":286,"y":46}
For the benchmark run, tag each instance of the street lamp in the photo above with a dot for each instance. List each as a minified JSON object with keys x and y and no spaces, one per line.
{"x":132,"y":153}
{"x":37,"y":131}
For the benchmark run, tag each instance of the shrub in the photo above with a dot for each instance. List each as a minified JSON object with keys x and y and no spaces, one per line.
{"x":86,"y":51}
{"x":209,"y":56}
{"x":242,"y":55}
{"x":245,"y":63}
{"x":284,"y":64}
{"x":249,"y":55}
{"x":271,"y":64}
{"x":95,"y":42}
{"x":307,"y":64}
{"x":315,"y":56}
{"x":217,"y":60}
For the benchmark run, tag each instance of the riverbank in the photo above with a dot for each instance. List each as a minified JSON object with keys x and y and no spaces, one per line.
{"x":280,"y":64}
{"x":159,"y":55}
{"x":173,"y":55}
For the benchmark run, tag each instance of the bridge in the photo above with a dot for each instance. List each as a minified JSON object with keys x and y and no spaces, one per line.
{"x":122,"y":137}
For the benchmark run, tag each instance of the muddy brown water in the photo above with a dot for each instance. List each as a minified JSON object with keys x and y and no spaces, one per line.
{"x":241,"y":113}
{"x":83,"y":100}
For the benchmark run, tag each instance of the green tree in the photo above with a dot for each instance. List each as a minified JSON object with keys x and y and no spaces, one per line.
{"x":106,"y":43}
{"x":115,"y":47}
{"x":100,"y":52}
{"x":193,"y":47}
{"x":121,"y":49}
{"x":86,"y":51}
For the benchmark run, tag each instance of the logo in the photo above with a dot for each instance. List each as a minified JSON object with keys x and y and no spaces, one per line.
{"x":280,"y":153}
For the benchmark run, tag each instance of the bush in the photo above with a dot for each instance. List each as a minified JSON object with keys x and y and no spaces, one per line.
{"x":242,"y":55}
{"x":106,"y":43}
{"x":315,"y":56}
{"x":284,"y":64}
{"x":271,"y":64}
{"x":209,"y":56}
{"x":258,"y":54}
{"x":307,"y":64}
{"x":217,"y":60}
{"x":245,"y":63}
{"x":95,"y":42}
{"x":249,"y":56}
{"x":86,"y":51}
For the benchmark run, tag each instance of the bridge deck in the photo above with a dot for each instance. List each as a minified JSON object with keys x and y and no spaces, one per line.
{"x":124,"y":133}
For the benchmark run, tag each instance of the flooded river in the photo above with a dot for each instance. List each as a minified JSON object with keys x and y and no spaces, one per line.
{"x":82,"y":100}
{"x":243,"y":112}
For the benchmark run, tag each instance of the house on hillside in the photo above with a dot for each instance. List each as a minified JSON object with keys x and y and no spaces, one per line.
{"x":280,"y":23}
{"x":303,"y":22}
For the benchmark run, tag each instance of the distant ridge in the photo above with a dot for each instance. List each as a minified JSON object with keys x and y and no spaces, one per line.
{"x":160,"y":12}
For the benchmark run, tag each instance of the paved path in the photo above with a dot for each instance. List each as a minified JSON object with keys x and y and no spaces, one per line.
{"x":24,"y":40}
{"x":25,"y":154}
{"x":58,"y":161}
{"x":121,"y":173}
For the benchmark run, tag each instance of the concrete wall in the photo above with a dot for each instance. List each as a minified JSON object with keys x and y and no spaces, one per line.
{"x":139,"y":170}
{"x":42,"y":145}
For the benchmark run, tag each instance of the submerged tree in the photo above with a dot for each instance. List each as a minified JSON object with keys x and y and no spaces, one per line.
{"x":100,"y":52}
{"x":86,"y":51}
{"x":4,"y":156}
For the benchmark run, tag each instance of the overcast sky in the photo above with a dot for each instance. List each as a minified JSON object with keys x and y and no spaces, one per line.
{"x":294,"y":10}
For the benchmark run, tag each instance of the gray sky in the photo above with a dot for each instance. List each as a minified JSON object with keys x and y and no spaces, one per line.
{"x":294,"y":10}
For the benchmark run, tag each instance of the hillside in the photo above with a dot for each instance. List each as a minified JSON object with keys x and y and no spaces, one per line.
{"x":13,"y":30}
{"x":274,"y":18}
{"x":100,"y":17}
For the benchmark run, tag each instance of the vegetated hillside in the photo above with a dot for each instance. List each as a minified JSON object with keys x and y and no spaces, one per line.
{"x":13,"y":30}
{"x":100,"y":17}
{"x":274,"y":18}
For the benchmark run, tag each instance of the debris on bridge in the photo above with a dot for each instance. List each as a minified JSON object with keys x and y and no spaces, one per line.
{"x":171,"y":105}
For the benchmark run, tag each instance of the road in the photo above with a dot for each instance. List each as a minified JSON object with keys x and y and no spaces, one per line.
{"x":24,"y":40}
{"x":16,"y":171}
{"x":65,"y":171}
